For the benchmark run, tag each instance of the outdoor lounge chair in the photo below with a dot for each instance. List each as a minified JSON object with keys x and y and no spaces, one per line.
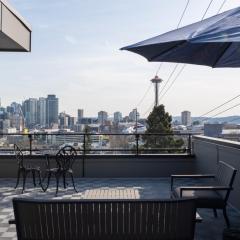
{"x":25,"y":170}
{"x":104,"y":219}
{"x":213,"y":196}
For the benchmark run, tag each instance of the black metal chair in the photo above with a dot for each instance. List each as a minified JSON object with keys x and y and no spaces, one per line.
{"x":64,"y":160}
{"x":213,"y":195}
{"x":105,"y":219}
{"x":25,"y":170}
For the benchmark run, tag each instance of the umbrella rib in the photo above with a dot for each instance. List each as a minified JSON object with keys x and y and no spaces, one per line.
{"x":222,"y":53}
{"x":169,"y":49}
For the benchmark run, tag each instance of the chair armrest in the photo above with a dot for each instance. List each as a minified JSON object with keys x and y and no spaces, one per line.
{"x":204,"y":188}
{"x":12,"y":221}
{"x":195,"y":176}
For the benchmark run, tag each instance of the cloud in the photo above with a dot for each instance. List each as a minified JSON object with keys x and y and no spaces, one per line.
{"x":71,"y":39}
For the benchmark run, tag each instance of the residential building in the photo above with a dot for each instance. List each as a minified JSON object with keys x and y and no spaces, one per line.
{"x":213,"y":129}
{"x":88,"y":120}
{"x":186,"y":118}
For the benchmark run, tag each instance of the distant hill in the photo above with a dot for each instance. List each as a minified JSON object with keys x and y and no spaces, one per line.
{"x":230,"y":119}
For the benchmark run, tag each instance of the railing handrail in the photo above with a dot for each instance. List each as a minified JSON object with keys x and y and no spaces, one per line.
{"x":97,"y":134}
{"x":136,"y":149}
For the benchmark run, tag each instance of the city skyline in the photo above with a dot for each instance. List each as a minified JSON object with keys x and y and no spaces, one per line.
{"x":117,"y":115}
{"x":78,"y":58}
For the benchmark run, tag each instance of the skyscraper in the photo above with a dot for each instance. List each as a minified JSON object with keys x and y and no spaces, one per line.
{"x":42,"y":104}
{"x":186,"y":118}
{"x":51,"y":110}
{"x":63,"y":120}
{"x":117,"y":117}
{"x":80,"y":115}
{"x":102,"y":117}
{"x":30,"y":107}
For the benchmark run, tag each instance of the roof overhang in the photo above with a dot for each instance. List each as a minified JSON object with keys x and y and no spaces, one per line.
{"x":15,"y":32}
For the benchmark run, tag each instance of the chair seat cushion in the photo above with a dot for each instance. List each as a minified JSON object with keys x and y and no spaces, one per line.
{"x":204,"y":198}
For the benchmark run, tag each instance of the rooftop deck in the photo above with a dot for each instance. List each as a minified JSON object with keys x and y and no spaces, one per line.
{"x":108,"y":188}
{"x":130,"y":177}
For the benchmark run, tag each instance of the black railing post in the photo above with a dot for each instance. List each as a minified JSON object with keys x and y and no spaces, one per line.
{"x":84,"y":144}
{"x":189,"y":144}
{"x":30,"y":143}
{"x":137,"y":147}
{"x":84,"y":153}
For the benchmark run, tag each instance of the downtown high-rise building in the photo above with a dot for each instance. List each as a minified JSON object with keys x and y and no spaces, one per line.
{"x":30,"y":111}
{"x":102,"y":117}
{"x":186,"y":118}
{"x":42,"y":110}
{"x":51,"y":110}
{"x":80,"y":115}
{"x":117,"y":117}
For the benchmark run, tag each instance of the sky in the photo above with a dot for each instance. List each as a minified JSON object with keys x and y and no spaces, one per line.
{"x":75,"y":55}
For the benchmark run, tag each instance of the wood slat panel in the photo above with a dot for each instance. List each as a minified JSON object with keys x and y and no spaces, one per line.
{"x":107,"y":220}
{"x":56,"y":219}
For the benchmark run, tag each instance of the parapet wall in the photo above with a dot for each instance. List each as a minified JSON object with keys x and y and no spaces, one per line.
{"x":209,"y":151}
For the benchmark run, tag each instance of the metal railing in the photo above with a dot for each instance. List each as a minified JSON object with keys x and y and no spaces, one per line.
{"x":103,"y":143}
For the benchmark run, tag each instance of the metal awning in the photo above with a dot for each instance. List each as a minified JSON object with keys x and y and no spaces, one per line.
{"x":15,"y":32}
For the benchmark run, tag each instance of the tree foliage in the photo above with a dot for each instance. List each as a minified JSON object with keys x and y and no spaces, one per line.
{"x":159,"y":121}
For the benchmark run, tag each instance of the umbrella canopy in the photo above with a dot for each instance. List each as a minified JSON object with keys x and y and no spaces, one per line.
{"x":213,"y":42}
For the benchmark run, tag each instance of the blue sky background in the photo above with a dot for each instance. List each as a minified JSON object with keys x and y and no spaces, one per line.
{"x":75,"y":55}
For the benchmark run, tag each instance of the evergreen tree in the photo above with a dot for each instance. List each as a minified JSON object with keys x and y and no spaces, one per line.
{"x":159,"y":121}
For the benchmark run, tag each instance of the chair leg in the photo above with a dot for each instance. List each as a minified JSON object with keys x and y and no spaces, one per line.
{"x":40,"y":180}
{"x":18,"y":177}
{"x":226,"y":217}
{"x":48,"y":181}
{"x":34,"y":179}
{"x":215,"y":212}
{"x":24,"y":180}
{"x":64,"y":181}
{"x":73,"y":182}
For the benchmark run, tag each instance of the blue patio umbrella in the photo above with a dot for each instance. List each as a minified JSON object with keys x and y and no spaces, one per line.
{"x":213,"y":42}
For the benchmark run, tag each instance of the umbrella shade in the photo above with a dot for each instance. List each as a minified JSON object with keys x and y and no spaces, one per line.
{"x":214,"y":42}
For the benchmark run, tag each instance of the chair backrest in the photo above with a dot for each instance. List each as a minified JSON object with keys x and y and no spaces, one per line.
{"x":19,"y":155}
{"x":66,"y":157}
{"x":225,"y":177}
{"x":105,"y":219}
